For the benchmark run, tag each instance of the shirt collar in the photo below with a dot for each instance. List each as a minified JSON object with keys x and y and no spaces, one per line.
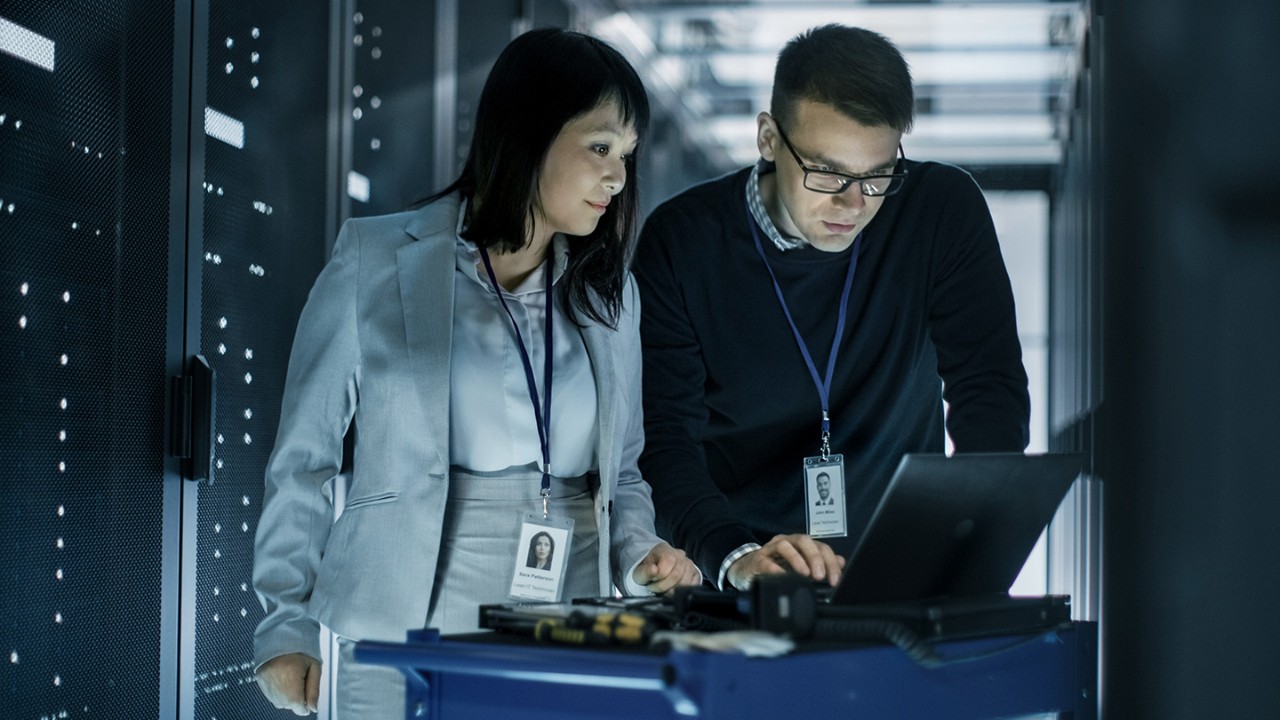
{"x":756,"y":203}
{"x":467,"y":259}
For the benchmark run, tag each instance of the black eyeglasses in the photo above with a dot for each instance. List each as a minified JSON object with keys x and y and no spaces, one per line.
{"x":834,"y":183}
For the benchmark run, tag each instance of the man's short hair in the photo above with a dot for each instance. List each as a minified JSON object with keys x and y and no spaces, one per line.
{"x":856,"y":71}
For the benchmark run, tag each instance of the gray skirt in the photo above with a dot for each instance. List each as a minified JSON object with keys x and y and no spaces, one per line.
{"x":478,"y":554}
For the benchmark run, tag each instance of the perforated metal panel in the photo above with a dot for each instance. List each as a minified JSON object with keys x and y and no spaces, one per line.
{"x":85,"y":109}
{"x":264,"y":242}
{"x":390,"y":103}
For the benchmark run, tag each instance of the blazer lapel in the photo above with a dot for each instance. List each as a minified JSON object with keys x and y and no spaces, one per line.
{"x":425,"y":269}
{"x":600,"y":349}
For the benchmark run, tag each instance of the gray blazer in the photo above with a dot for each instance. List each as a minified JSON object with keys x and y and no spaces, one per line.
{"x":373,"y":343}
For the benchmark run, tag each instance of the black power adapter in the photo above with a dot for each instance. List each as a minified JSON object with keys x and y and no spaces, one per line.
{"x":784,"y":604}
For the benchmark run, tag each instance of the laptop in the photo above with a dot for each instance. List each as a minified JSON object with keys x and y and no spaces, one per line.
{"x":943,"y":546}
{"x":958,"y":526}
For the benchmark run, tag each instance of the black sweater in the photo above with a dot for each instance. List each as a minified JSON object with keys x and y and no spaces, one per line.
{"x":730,"y":408}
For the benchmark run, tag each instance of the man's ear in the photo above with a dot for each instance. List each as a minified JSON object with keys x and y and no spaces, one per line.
{"x":766,"y":136}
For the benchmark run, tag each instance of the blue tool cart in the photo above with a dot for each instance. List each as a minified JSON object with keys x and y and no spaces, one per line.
{"x":495,"y":675}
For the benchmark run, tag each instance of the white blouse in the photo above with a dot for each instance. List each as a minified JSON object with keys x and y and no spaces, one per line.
{"x":491,"y":416}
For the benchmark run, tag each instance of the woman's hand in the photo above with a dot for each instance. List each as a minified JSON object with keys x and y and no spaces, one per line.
{"x":664,"y":568}
{"x":291,"y":682}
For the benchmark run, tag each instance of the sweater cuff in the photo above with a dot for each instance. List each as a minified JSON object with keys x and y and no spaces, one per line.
{"x":718,"y":544}
{"x":731,"y":559}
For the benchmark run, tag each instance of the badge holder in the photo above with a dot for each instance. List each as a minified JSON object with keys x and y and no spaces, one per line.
{"x":824,"y":493}
{"x":542,"y":558}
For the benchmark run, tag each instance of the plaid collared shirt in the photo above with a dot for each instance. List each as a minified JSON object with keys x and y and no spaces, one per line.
{"x":756,"y":203}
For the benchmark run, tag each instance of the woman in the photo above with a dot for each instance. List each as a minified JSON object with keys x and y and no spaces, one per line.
{"x":541,"y":549}
{"x":486,"y":348}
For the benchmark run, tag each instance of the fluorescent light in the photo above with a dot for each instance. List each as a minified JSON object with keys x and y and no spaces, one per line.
{"x":988,"y":67}
{"x":358,"y":186}
{"x":950,"y":27}
{"x":924,"y":25}
{"x":986,"y":72}
{"x":621,"y":28}
{"x":26,"y":45}
{"x":970,"y":67}
{"x":733,"y":129}
{"x":1038,"y":152}
{"x":985,"y":128}
{"x":223,"y":127}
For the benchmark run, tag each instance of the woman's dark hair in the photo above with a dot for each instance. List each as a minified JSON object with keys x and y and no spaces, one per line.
{"x":542,"y":80}
{"x":856,"y":71}
{"x":532,"y":561}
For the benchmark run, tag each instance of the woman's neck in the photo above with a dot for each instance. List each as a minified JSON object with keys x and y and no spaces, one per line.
{"x":513,"y":268}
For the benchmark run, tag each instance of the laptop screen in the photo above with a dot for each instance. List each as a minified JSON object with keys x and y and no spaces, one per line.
{"x":955,"y":526}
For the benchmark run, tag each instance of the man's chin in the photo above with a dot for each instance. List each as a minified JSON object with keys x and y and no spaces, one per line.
{"x":829,"y":242}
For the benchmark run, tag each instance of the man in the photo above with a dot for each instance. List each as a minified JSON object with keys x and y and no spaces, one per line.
{"x":823,"y":481}
{"x":812,"y":313}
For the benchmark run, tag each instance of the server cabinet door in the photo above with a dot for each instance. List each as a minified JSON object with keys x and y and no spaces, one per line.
{"x":86,"y":220}
{"x":261,"y":220}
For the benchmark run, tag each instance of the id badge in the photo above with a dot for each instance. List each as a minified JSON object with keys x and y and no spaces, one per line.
{"x":542,"y":556}
{"x":824,"y":496}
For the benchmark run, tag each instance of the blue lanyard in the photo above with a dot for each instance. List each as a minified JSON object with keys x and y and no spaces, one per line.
{"x":541,"y":418}
{"x":822,"y":383}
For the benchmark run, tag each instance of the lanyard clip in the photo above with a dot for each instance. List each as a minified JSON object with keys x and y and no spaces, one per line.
{"x":826,"y":436}
{"x":546,"y":487}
